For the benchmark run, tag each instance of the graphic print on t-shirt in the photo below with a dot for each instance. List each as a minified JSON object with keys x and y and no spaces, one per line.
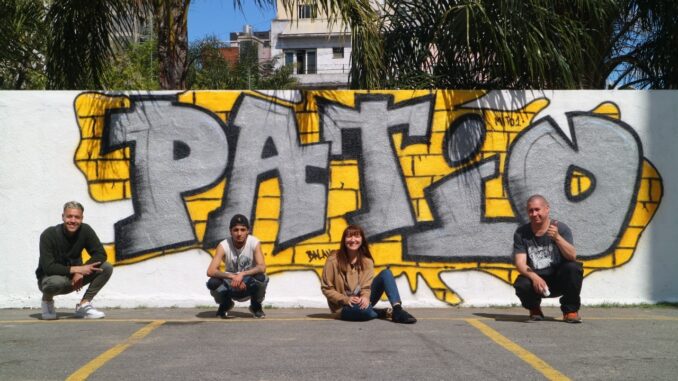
{"x":542,"y":256}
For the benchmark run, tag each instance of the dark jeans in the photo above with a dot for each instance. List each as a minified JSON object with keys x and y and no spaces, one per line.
{"x":255,"y":290}
{"x":565,"y":282}
{"x":61,"y":284}
{"x":384,"y":282}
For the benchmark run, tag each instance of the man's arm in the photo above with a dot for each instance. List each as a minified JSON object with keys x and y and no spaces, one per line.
{"x":48,"y":249}
{"x":213,"y":268}
{"x":563,"y":241}
{"x":93,"y":246}
{"x":538,"y":283}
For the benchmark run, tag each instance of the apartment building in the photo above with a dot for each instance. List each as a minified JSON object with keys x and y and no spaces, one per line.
{"x":248,"y":38}
{"x":319,"y":54}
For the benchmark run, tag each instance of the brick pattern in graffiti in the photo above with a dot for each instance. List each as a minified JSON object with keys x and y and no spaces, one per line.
{"x":437,"y":181}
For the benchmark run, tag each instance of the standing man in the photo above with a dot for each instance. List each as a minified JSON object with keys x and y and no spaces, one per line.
{"x":245,"y":276}
{"x":61,"y":271}
{"x":544,"y":254}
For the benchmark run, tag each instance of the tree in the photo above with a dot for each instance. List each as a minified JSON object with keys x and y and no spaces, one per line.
{"x":132,"y":68}
{"x":471,"y":44}
{"x":84,"y":34}
{"x":491,"y":44}
{"x":209,"y":69}
{"x":22,"y":37}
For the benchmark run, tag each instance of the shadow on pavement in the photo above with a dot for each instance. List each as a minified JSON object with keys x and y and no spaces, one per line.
{"x":60,"y":315}
{"x":513,"y":318}
{"x":327,"y":316}
{"x":212,"y":314}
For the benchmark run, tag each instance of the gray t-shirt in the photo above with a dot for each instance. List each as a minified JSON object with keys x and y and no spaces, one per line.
{"x":543,"y":255}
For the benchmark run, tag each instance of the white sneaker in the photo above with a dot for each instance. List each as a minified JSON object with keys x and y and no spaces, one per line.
{"x":48,"y":310}
{"x":88,"y":311}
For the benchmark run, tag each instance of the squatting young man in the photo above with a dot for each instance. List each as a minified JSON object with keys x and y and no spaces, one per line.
{"x":245,"y":276}
{"x":60,"y":269}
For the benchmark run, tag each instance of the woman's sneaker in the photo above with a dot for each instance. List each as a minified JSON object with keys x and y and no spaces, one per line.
{"x":402,"y":316}
{"x":48,"y":310}
{"x":87,"y":311}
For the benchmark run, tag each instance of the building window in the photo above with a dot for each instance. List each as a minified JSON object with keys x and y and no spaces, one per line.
{"x":303,"y":60}
{"x":308,"y":10}
{"x":338,"y":53}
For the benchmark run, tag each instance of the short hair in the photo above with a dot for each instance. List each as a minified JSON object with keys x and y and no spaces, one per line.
{"x":535,"y":197}
{"x":74,"y":205}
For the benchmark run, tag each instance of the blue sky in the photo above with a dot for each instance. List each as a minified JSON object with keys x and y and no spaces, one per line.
{"x":219,"y":18}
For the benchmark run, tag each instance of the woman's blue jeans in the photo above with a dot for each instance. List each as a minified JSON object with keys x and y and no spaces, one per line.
{"x":384,"y":282}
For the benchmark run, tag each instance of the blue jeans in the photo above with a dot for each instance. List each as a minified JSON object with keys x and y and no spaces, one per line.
{"x":255,"y":290}
{"x":384,"y":282}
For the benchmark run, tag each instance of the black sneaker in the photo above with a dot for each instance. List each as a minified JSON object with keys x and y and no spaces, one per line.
{"x":383,"y":313}
{"x":222,"y":312}
{"x":402,"y":316}
{"x":257,"y":313}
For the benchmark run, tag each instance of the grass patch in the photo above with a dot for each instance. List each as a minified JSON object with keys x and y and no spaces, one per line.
{"x":638,"y":305}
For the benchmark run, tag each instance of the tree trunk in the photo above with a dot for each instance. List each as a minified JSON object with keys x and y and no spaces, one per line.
{"x":171,"y":28}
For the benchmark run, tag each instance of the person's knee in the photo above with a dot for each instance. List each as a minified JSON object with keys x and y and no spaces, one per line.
{"x":214,"y":283}
{"x":571,"y":268}
{"x":54,"y":285}
{"x":522,"y":285}
{"x":106,"y":269}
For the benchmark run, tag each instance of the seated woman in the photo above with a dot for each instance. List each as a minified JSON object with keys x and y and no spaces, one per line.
{"x":349,"y":284}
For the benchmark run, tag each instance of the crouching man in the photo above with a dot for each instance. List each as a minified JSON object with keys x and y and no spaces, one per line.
{"x":546,"y":259}
{"x":245,"y":276}
{"x":60,"y":269}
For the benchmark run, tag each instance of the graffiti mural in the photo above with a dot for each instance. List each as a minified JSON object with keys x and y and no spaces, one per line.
{"x":438,"y":179}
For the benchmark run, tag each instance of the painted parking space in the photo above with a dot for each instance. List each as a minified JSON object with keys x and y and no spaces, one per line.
{"x":309,"y":344}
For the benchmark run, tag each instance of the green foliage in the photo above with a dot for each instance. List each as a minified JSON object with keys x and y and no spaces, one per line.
{"x":132,"y":68}
{"x":209,"y":69}
{"x":518,"y":44}
{"x":82,"y":38}
{"x":23,"y":42}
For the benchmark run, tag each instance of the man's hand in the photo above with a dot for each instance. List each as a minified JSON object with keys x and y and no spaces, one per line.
{"x":237,"y":283}
{"x":552,"y":230}
{"x":539,"y":284}
{"x":76,"y":281}
{"x":87,"y":269}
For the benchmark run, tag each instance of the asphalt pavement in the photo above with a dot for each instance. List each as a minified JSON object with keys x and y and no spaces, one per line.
{"x":310,"y":344}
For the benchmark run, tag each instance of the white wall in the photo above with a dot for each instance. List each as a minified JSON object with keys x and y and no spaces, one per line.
{"x":39,"y":135}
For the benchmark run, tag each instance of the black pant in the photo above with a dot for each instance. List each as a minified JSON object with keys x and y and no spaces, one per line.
{"x":565,"y":282}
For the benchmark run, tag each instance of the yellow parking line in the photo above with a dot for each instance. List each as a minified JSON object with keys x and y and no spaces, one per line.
{"x":534,"y":361}
{"x":99,"y":361}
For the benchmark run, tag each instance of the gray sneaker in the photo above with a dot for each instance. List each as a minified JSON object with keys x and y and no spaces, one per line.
{"x":88,"y":311}
{"x":48,"y":310}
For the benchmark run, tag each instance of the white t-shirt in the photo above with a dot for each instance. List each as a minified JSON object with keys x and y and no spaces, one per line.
{"x":237,"y":260}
